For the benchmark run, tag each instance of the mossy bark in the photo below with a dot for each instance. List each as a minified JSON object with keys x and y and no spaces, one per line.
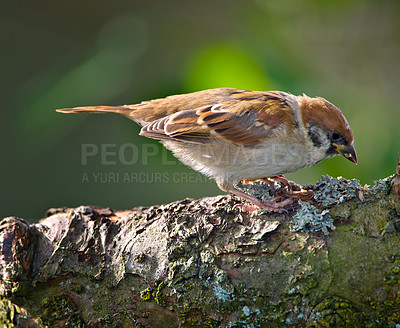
{"x":201,"y":263}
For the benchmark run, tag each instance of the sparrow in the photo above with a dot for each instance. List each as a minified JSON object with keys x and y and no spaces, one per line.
{"x":233,"y":135}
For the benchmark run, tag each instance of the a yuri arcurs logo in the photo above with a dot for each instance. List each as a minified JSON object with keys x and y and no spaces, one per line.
{"x":107,"y":177}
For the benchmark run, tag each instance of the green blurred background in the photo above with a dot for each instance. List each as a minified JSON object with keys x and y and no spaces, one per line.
{"x":72,"y":53}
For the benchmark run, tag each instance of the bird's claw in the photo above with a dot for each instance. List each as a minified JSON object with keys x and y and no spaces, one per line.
{"x":271,"y":206}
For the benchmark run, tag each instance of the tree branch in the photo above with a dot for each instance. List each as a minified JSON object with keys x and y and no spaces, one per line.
{"x":201,"y":263}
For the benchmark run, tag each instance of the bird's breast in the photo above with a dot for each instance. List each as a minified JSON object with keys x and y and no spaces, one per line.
{"x":235,"y":163}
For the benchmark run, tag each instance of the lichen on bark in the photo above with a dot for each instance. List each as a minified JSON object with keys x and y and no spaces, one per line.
{"x":202,"y":263}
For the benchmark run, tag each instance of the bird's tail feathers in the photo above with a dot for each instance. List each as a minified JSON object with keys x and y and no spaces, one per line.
{"x":124,"y":110}
{"x":97,"y":109}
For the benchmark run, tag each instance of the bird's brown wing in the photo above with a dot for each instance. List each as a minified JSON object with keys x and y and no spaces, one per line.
{"x":208,"y":123}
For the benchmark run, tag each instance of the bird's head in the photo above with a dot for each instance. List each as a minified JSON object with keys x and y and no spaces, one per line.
{"x":327,"y":128}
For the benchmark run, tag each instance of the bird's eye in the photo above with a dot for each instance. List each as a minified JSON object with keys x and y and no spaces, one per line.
{"x":335,"y":136}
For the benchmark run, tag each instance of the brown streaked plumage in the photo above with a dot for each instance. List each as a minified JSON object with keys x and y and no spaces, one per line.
{"x":231,"y":134}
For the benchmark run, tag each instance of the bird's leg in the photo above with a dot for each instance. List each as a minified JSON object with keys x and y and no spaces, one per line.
{"x":302,"y":194}
{"x":270,"y":183}
{"x":282,"y":180}
{"x":272,"y":205}
{"x":299,"y":193}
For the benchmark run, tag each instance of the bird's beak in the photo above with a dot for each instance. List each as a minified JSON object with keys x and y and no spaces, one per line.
{"x":347,"y":151}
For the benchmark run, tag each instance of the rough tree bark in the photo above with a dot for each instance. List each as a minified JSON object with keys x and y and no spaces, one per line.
{"x":201,"y":263}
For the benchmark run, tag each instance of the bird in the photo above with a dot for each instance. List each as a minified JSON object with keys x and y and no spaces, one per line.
{"x":235,"y":135}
